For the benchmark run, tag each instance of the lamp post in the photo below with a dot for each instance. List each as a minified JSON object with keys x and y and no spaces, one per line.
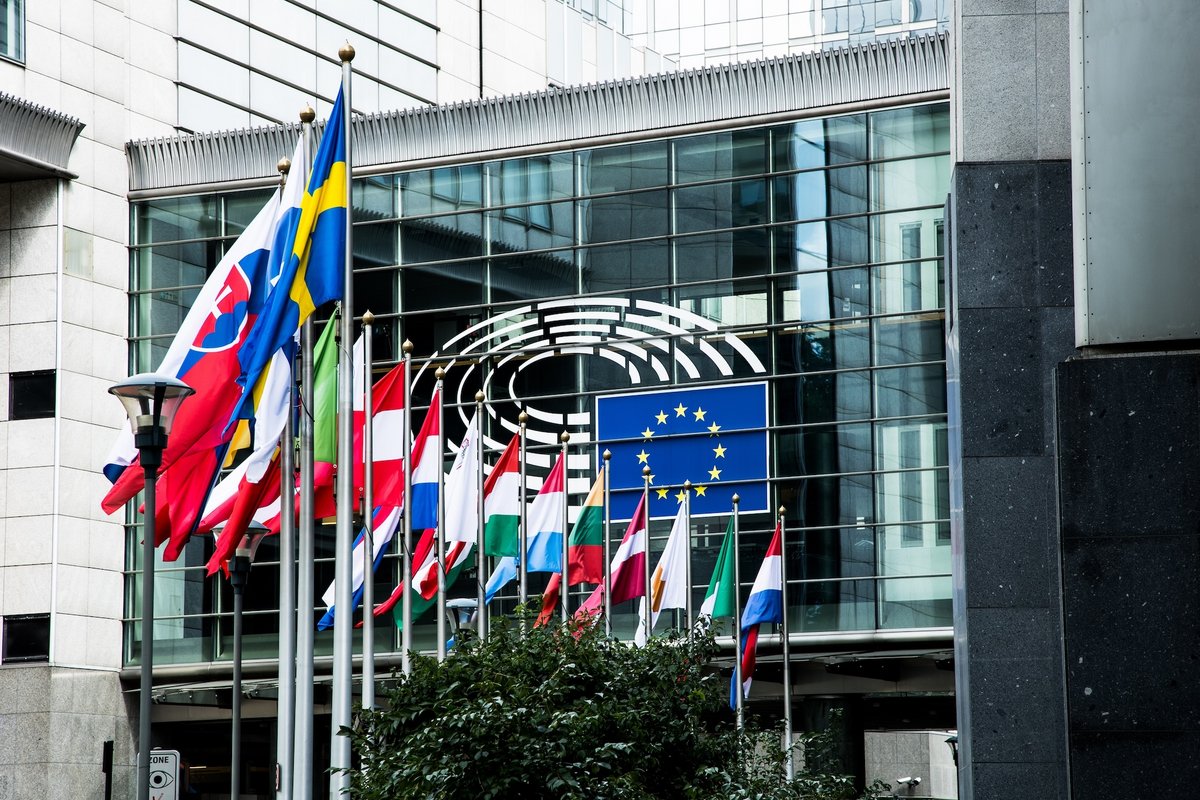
{"x":150,"y":401}
{"x":239,"y":574}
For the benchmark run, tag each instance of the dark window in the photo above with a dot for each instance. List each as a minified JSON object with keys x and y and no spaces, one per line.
{"x":26,"y":637}
{"x":12,"y":29}
{"x":31,"y":395}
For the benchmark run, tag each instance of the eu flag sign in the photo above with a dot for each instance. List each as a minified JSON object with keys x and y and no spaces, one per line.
{"x":715,"y":437}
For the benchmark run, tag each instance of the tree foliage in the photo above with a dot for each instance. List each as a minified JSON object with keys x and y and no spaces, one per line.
{"x":562,"y":712}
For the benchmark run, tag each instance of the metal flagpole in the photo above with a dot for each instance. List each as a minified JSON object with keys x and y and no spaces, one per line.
{"x":607,"y":547}
{"x":565,"y":593}
{"x":481,"y":612}
{"x":737,"y":616}
{"x":343,"y":622}
{"x":647,"y":616}
{"x":302,"y":740}
{"x":787,"y":650}
{"x":440,"y":529}
{"x":523,"y":575}
{"x":368,"y":515}
{"x":406,"y":603}
{"x":687,"y":566}
{"x":286,"y":704}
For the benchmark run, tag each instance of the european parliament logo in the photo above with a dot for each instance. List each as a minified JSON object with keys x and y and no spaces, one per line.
{"x":715,"y":437}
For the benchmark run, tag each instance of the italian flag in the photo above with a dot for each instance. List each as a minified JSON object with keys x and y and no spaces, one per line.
{"x":501,"y":504}
{"x":719,"y":600}
{"x":585,"y":548}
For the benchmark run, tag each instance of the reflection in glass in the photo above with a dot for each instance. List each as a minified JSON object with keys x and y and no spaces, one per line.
{"x":621,"y":266}
{"x":910,"y":131}
{"x":905,"y":340}
{"x":441,"y":238}
{"x":910,"y":391}
{"x":619,"y":217}
{"x":815,"y":143}
{"x":720,"y":205}
{"x":525,"y":277}
{"x":623,"y":168}
{"x":722,"y":255}
{"x":720,"y":155}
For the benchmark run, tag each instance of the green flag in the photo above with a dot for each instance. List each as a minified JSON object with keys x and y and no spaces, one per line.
{"x":719,"y":600}
{"x":324,"y":408}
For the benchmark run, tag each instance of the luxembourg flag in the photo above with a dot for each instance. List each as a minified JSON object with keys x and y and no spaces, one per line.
{"x":764,"y":605}
{"x":427,"y":462}
{"x":386,"y":520}
{"x":545,"y":524}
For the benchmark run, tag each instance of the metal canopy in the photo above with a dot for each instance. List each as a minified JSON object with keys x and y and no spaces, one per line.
{"x":35,"y":142}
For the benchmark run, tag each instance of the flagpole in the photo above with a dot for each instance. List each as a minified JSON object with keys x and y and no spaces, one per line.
{"x":647,"y":615}
{"x":737,"y":616}
{"x":481,"y":611}
{"x":406,"y":603}
{"x":687,"y":566}
{"x":787,"y":650}
{"x":523,"y":575}
{"x":343,"y":624}
{"x":285,"y":705}
{"x":302,"y":741}
{"x":565,"y":437}
{"x":607,"y":548}
{"x":440,"y":529}
{"x":368,"y":514}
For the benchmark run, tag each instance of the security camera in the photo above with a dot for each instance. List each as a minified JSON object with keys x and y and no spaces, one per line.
{"x":913,"y":781}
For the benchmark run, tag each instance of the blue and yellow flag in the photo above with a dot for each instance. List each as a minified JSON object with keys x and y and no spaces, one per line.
{"x":311,"y":260}
{"x":715,"y":437}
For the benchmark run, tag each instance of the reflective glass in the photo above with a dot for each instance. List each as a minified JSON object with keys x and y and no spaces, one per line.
{"x":910,"y":444}
{"x":442,"y":286}
{"x":915,"y":603}
{"x":909,"y":286}
{"x":907,"y":235}
{"x":374,"y":198}
{"x":820,"y":193}
{"x":441,"y":190}
{"x":12,"y":30}
{"x":161,"y":313}
{"x":531,"y":228}
{"x":529,"y":276}
{"x":909,"y":339}
{"x":241,"y":208}
{"x":911,"y":131}
{"x":441,"y":238}
{"x":824,"y":449}
{"x":375,"y":245}
{"x":816,"y":296}
{"x":910,"y":391}
{"x":720,"y":155}
{"x":720,"y":205}
{"x":171,"y":265}
{"x":429,"y":332}
{"x":613,"y":268}
{"x":820,"y":142}
{"x":531,"y":180}
{"x":722,"y":255}
{"x":628,"y":216}
{"x":174,"y":219}
{"x":827,"y":397}
{"x":727,"y":303}
{"x":910,"y":182}
{"x":623,"y":168}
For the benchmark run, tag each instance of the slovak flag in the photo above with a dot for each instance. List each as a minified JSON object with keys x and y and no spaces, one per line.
{"x":765,"y":604}
{"x":204,"y":355}
{"x":427,"y":463}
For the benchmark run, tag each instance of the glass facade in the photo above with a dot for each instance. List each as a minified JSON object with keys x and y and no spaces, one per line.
{"x":12,"y":29}
{"x":805,"y":255}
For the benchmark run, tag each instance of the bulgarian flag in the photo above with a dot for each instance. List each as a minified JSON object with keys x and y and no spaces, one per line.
{"x":502,"y":504}
{"x":719,"y":600}
{"x":585,"y":548}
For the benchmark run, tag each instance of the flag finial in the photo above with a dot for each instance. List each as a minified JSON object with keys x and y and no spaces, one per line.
{"x":368,"y":318}
{"x":736,"y":499}
{"x":308,"y":113}
{"x":782,"y":511}
{"x":441,"y":373}
{"x":522,"y":418}
{"x":687,"y":486}
{"x":564,"y":437}
{"x":607,"y":455}
{"x":284,"y":166}
{"x":479,"y":396}
{"x":346,"y":52}
{"x":645,"y":470}
{"x":407,"y":347}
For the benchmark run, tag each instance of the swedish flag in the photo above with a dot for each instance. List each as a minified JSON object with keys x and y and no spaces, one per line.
{"x":310,"y":257}
{"x":715,"y":437}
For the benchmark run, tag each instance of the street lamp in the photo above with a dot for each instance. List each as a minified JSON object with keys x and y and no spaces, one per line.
{"x":239,"y":574}
{"x":150,"y":401}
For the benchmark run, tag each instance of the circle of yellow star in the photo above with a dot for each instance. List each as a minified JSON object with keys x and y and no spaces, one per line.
{"x":715,"y":474}
{"x":699,"y":414}
{"x":680,"y":410}
{"x":700,"y":490}
{"x":720,"y":451}
{"x":661,"y":417}
{"x":713,"y":428}
{"x":648,"y":434}
{"x":642,"y":456}
{"x":662,"y":493}
{"x":681,"y":496}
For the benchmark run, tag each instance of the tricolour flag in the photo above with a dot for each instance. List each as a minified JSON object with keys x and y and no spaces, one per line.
{"x":628,"y":569}
{"x":204,"y":355}
{"x":715,"y":437}
{"x":502,"y":504}
{"x":385,"y":521}
{"x":720,"y":599}
{"x":765,"y":604}
{"x":324,"y":392}
{"x":585,"y":547}
{"x":545,"y":523}
{"x":314,"y":264}
{"x":668,"y":582}
{"x":427,"y":463}
{"x":420,"y":604}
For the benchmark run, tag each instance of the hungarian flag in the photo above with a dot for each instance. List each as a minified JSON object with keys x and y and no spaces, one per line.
{"x":719,"y":600}
{"x":502,"y":504}
{"x":668,"y":582}
{"x":585,"y":548}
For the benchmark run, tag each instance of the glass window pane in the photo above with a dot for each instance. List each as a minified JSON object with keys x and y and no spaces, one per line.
{"x":909,"y":286}
{"x":915,"y":603}
{"x":529,"y":180}
{"x":910,"y":391}
{"x":722,"y":255}
{"x":906,"y":340}
{"x":816,"y":296}
{"x":824,"y":450}
{"x":374,"y":198}
{"x":628,"y":216}
{"x":825,"y":397}
{"x":910,"y":444}
{"x":442,"y":286}
{"x":441,"y":238}
{"x":820,"y":142}
{"x":529,"y":276}
{"x":720,"y":205}
{"x":441,"y":190}
{"x":623,"y":168}
{"x":241,"y":208}
{"x":161,"y":313}
{"x":173,"y":219}
{"x":621,"y":266}
{"x":819,"y":193}
{"x":537,"y":227}
{"x":720,"y":155}
{"x":910,"y":182}
{"x":727,"y":303}
{"x":911,"y":131}
{"x":375,"y":245}
{"x":428,"y":332}
{"x":906,"y":235}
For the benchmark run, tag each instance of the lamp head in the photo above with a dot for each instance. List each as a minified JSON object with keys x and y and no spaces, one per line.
{"x":151,"y":400}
